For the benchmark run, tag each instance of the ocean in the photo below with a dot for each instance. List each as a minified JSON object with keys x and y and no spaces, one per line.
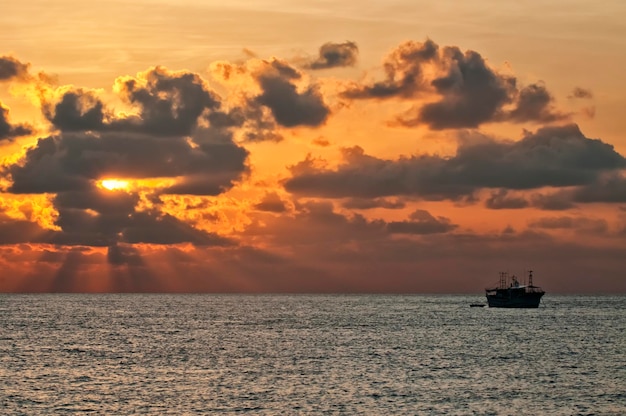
{"x":121,"y":354}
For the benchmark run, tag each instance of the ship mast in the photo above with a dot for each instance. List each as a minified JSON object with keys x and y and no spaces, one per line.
{"x":503,"y":279}
{"x":530,"y":278}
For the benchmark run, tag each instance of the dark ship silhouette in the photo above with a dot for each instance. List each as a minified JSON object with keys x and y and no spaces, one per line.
{"x":511,"y":294}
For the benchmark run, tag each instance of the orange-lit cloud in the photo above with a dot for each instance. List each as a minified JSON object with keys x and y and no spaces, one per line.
{"x":166,"y":187}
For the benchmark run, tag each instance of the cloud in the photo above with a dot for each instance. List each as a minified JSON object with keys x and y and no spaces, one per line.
{"x":552,"y":156}
{"x":11,"y":68}
{"x":502,"y":200}
{"x":421,"y":222}
{"x":404,"y":73}
{"x":289,"y":106}
{"x":118,"y":254}
{"x":535,"y":104}
{"x":76,"y":110}
{"x":9,"y":131}
{"x":153,"y":227}
{"x":371,"y":203}
{"x":315,"y":221}
{"x":14,"y":231}
{"x":579,"y":92}
{"x":610,"y":188}
{"x":271,"y":202}
{"x":555,"y":201}
{"x":170,"y":102}
{"x":99,"y":218}
{"x":578,"y":224}
{"x":71,"y":161}
{"x":168,"y":137}
{"x":269,"y":94}
{"x":469,"y":92}
{"x":333,"y":55}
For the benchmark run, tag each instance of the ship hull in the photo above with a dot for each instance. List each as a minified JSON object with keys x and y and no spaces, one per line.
{"x":513,"y":300}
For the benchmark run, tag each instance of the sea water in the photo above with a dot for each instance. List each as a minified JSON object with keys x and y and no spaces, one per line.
{"x":310,"y":354}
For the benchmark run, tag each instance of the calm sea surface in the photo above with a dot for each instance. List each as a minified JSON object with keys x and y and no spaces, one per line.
{"x":371,"y":355}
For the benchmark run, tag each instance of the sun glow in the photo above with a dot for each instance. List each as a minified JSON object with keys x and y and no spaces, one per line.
{"x":113,"y":184}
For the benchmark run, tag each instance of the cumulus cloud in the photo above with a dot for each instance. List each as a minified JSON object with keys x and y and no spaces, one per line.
{"x":552,"y":156}
{"x":583,"y":93}
{"x":371,"y":203}
{"x":14,"y":231}
{"x":609,"y":188}
{"x":76,"y":110}
{"x":166,"y":138}
{"x":535,"y":104}
{"x":9,"y":130}
{"x":578,"y":224}
{"x":289,"y":106}
{"x":421,"y":222}
{"x":170,"y":102}
{"x":11,"y":68}
{"x":501,"y":199}
{"x":469,"y":91}
{"x":271,"y":202}
{"x":71,"y":161}
{"x":554,"y":201}
{"x":333,"y":55}
{"x":404,"y":75}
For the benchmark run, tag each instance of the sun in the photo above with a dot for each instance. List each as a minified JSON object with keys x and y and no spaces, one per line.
{"x":113,"y":184}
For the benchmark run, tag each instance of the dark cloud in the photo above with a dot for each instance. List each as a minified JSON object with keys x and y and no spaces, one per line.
{"x":93,"y":217}
{"x":609,"y":188}
{"x":555,"y":201}
{"x":257,"y":126}
{"x":315,"y":221}
{"x":285,"y":100}
{"x":579,"y":92}
{"x":163,"y":140}
{"x":320,"y":141}
{"x":11,"y":68}
{"x":233,"y":118}
{"x":8,"y":130}
{"x":371,"y":203}
{"x":333,"y":55}
{"x":503,"y":200}
{"x":155,"y":228}
{"x":13,"y":231}
{"x":469,"y":91}
{"x":80,"y":227}
{"x":554,"y":156}
{"x":290,"y":107}
{"x":579,"y":224}
{"x":271,"y":202}
{"x":76,"y":110}
{"x":118,"y":254}
{"x":535,"y":104}
{"x":170,"y":102}
{"x":421,"y":222}
{"x":403,"y":70}
{"x":106,"y":218}
{"x":71,"y":160}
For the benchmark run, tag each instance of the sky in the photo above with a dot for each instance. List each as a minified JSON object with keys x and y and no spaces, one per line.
{"x":312,"y":147}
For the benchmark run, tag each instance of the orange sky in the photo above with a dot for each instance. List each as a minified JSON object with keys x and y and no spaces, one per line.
{"x":394,"y":146}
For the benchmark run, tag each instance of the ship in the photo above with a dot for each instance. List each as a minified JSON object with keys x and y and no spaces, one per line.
{"x":511,"y":294}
